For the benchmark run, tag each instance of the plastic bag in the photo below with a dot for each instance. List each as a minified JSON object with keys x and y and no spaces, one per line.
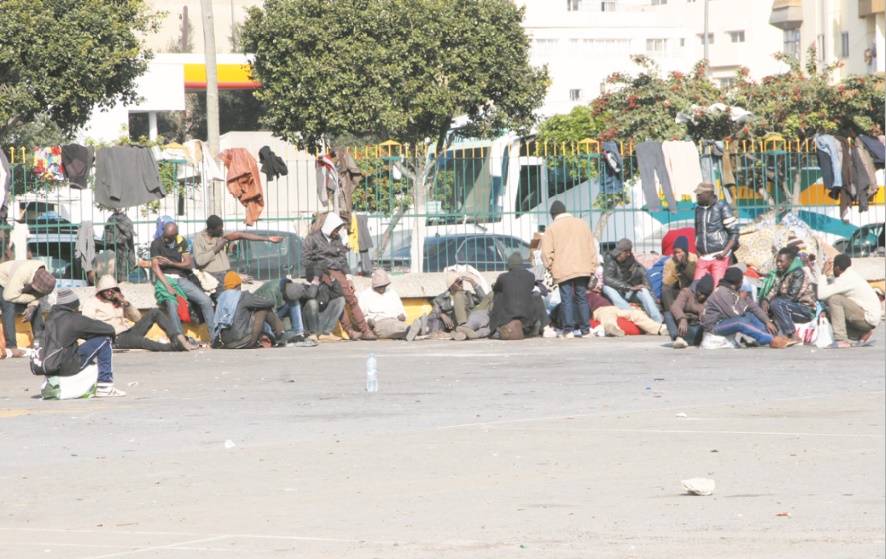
{"x":824,"y":333}
{"x":81,"y":385}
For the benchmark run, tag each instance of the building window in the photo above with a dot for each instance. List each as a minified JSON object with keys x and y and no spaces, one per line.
{"x":607,"y":6}
{"x":792,"y":42}
{"x":736,"y":36}
{"x":659,"y":2}
{"x":545,"y":47}
{"x":727,"y":83}
{"x":575,"y":95}
{"x":599,"y":47}
{"x":710,"y":38}
{"x":656,"y":47}
{"x":578,"y":5}
{"x":844,"y":44}
{"x":682,"y":43}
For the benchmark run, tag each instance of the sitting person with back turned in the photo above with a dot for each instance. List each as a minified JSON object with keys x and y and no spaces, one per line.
{"x":244,"y":320}
{"x":684,"y":317}
{"x":23,"y":283}
{"x":62,"y":356}
{"x":384,"y":310}
{"x":625,"y":279}
{"x":679,"y":272}
{"x":791,"y":298}
{"x":727,"y":312}
{"x":853,"y":304}
{"x":323,"y":312}
{"x":111,"y":307}
{"x":517,"y":312}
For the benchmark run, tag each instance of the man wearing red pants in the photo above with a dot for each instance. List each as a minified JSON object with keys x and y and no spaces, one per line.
{"x":716,"y":233}
{"x":325,"y":246}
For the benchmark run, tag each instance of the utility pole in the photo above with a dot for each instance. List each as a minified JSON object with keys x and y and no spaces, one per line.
{"x":705,"y":38}
{"x":212,"y":127}
{"x":185,"y":38}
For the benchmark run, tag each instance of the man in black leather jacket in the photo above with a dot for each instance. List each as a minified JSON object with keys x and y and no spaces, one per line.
{"x":716,"y":233}
{"x":791,"y":298}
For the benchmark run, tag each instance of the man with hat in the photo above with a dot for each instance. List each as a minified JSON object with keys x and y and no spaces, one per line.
{"x":568,"y":250}
{"x":384,"y":310}
{"x":245,"y":320}
{"x":683,"y":317}
{"x":111,"y":307}
{"x":678,"y":273}
{"x":209,"y":247}
{"x":625,"y":279}
{"x":23,"y":283}
{"x":60,"y":353}
{"x":728,"y":312}
{"x":454,"y":307}
{"x":716,"y":233}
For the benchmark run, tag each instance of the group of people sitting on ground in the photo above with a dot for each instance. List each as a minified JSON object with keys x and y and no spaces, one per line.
{"x":571,"y":293}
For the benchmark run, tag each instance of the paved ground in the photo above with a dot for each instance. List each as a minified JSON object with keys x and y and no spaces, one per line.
{"x":542,"y":448}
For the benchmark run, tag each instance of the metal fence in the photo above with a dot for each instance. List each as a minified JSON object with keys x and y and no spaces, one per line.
{"x":481,"y":201}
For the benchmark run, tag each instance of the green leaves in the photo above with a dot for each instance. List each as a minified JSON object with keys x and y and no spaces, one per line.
{"x":395,"y":69}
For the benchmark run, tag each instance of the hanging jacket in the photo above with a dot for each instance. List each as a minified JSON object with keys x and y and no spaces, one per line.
{"x":64,"y":326}
{"x":244,"y":181}
{"x":271,"y":164}
{"x":349,"y":176}
{"x":327,"y":181}
{"x":715,"y":225}
{"x":77,"y":161}
{"x":84,"y":246}
{"x":876,"y":148}
{"x":865,"y":177}
{"x":126,"y":176}
{"x":119,"y":236}
{"x":612,"y":169}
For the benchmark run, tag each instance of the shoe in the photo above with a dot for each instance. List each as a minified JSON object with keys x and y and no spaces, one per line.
{"x":313,"y":337}
{"x":287,"y":337}
{"x":368,"y":336}
{"x":469,"y":334}
{"x":613,"y":330}
{"x":779,"y":342}
{"x":663,"y":330}
{"x":792,"y":342}
{"x":566,"y":336}
{"x":354,"y":336}
{"x":108,"y":391}
{"x":16,"y":352}
{"x":459,"y":336}
{"x":328,"y":338}
{"x":680,"y":343}
{"x":414,"y":330}
{"x":440,"y":335}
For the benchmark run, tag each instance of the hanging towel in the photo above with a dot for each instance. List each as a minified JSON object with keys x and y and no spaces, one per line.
{"x":77,"y":161}
{"x":651,"y":161}
{"x":84,"y":246}
{"x":271,"y":164}
{"x":244,"y":181}
{"x":126,"y":177}
{"x":681,"y":161}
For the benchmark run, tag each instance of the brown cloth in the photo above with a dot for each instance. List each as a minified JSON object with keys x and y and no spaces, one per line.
{"x":244,"y":181}
{"x":865,"y":177}
{"x":728,"y":171}
{"x":847,"y":193}
{"x":349,"y":176}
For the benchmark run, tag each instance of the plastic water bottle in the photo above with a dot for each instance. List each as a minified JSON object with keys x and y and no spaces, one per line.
{"x":371,"y":374}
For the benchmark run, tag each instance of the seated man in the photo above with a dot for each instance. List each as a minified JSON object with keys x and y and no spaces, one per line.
{"x":287,"y":296}
{"x":62,"y":356}
{"x":727,"y":312}
{"x":607,"y":314}
{"x":625,"y":279}
{"x":245,"y":320}
{"x":323,"y":312}
{"x":172,"y":265}
{"x":679,"y":272}
{"x":23,"y":283}
{"x":853,"y":304}
{"x":384,"y":310}
{"x":455,"y":306}
{"x":210,"y":244}
{"x":109,"y":306}
{"x":514,"y":299}
{"x":684,"y":316}
{"x":791,"y":298}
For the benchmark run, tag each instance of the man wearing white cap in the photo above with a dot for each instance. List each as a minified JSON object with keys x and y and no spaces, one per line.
{"x":384,"y":310}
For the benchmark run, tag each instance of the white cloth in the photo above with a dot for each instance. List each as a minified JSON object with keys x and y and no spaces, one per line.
{"x":684,"y":170}
{"x":376,"y":307}
{"x":856,"y":289}
{"x":20,"y":234}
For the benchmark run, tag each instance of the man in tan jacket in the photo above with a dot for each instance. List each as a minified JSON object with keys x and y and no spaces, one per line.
{"x":23,"y":283}
{"x":569,"y":252}
{"x":111,"y":307}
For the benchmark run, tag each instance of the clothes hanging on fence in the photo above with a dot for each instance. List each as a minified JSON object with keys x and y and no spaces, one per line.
{"x":364,"y":239}
{"x":19,"y":239}
{"x":684,"y":172}
{"x":327,"y":181}
{"x":847,"y":193}
{"x":126,"y":176}
{"x":119,"y":237}
{"x":272,"y":165}
{"x":865,"y":174}
{"x":205,"y":163}
{"x":829,"y":162}
{"x":730,"y":165}
{"x":84,"y":246}
{"x":77,"y":161}
{"x":711,"y":160}
{"x":612,"y":167}
{"x":651,"y":161}
{"x":5,"y":183}
{"x":244,"y":181}
{"x":48,"y":163}
{"x":349,"y":176}
{"x":876,"y":148}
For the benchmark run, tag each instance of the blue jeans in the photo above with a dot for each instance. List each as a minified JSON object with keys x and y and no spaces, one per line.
{"x":574,"y":293}
{"x":195,"y":294}
{"x":788,"y":313}
{"x":646,"y":300}
{"x":293,"y":311}
{"x":101,"y":348}
{"x":747,"y":324}
{"x":693,"y":333}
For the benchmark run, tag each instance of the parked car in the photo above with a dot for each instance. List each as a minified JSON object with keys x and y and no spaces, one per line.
{"x":264,"y":260}
{"x":486,"y":253}
{"x":867,"y":240}
{"x":56,"y":250}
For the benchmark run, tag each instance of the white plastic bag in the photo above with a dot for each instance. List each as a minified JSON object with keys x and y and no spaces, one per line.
{"x":713,"y":341}
{"x":81,"y":385}
{"x":824,"y":333}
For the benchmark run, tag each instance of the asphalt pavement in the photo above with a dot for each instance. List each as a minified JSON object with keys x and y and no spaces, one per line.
{"x":541,"y":448}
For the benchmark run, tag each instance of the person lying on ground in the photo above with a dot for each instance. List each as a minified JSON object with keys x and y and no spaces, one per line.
{"x":625,"y":280}
{"x":384,"y":310}
{"x":683,"y":319}
{"x":790,"y":299}
{"x":130,"y":326}
{"x":853,"y":304}
{"x":607,"y":314}
{"x":728,"y":312}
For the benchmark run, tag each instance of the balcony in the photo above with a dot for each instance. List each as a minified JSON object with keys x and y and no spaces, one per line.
{"x":787,"y":14}
{"x":871,"y":7}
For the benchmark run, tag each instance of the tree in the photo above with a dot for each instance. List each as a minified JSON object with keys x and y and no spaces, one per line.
{"x":396,"y":69}
{"x":61,"y":58}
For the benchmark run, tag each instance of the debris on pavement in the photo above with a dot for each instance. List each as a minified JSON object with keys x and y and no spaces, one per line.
{"x":229,"y":444}
{"x":698,"y":486}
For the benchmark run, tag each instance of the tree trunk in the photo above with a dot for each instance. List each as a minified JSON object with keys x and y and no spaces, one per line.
{"x":601,"y":224}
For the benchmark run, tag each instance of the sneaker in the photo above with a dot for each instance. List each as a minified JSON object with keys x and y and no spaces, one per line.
{"x":328,"y":338}
{"x":414,"y":330}
{"x":353,"y":336}
{"x":287,"y":337}
{"x":440,"y":335}
{"x":663,"y":330}
{"x":680,"y":343}
{"x":469,"y":334}
{"x":108,"y":391}
{"x":459,"y":336}
{"x":613,"y":330}
{"x":566,"y":336}
{"x":779,"y":342}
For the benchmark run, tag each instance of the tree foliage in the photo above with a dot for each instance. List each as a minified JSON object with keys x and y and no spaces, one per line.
{"x":395,"y":69}
{"x":61,"y":58}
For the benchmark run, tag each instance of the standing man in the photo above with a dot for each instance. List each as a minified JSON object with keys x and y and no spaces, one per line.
{"x":791,"y":299}
{"x":853,"y":304}
{"x":679,"y":272}
{"x":171,"y":262}
{"x":716,"y":233}
{"x":727,"y":312}
{"x":23,"y":283}
{"x":209,"y":247}
{"x":625,"y":279}
{"x":325,"y":246}
{"x":569,"y":252}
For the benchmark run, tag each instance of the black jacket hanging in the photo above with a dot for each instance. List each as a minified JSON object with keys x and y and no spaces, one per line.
{"x":271,"y":164}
